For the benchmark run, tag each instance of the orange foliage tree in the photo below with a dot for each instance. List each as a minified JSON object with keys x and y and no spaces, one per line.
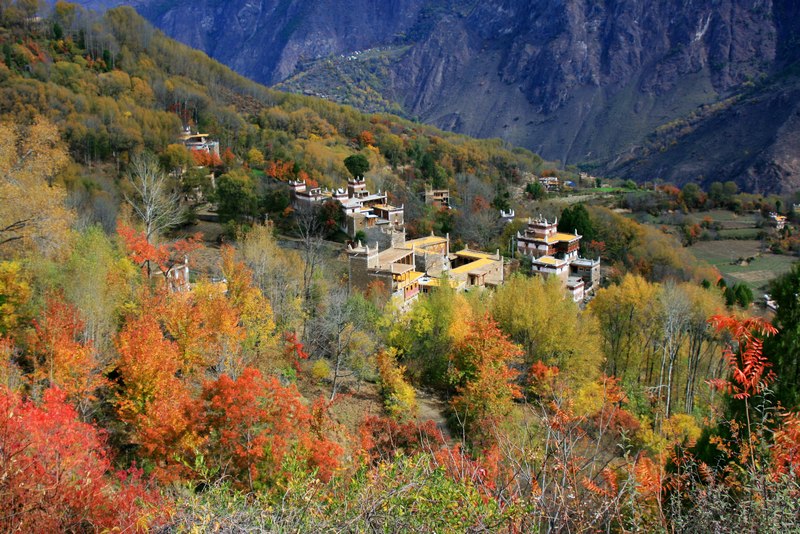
{"x":164,"y":256}
{"x":64,"y":360}
{"x":254,"y":424}
{"x":481,"y":375}
{"x":163,"y":417}
{"x":205,"y":327}
{"x":750,"y":372}
{"x":204,"y":158}
{"x":280,"y":170}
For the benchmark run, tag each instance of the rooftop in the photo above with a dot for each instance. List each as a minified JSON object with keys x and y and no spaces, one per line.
{"x":550,"y":261}
{"x":585,"y":262}
{"x":391,"y":255}
{"x":435,"y":282}
{"x":387,"y":207}
{"x":475,"y":254}
{"x":574,"y":282}
{"x":399,"y":268}
{"x":425,"y":241}
{"x":475,"y":266}
{"x":560,"y":236}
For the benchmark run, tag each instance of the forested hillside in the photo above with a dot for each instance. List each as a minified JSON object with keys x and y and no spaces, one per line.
{"x":114,"y":85}
{"x":140,"y":392}
{"x":584,"y":83}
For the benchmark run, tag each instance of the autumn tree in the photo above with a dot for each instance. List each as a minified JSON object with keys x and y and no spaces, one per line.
{"x":164,"y":257}
{"x":255,"y":424}
{"x":538,"y":315}
{"x":15,"y":291}
{"x":32,"y":203}
{"x":399,"y":397}
{"x":56,"y":472}
{"x":424,"y":337}
{"x":657,"y":339}
{"x":160,"y":414}
{"x":259,"y":344}
{"x":750,"y":371}
{"x":99,"y":280}
{"x":628,"y":323}
{"x":62,"y":358}
{"x":175,"y":158}
{"x":278,"y":272}
{"x":205,"y":326}
{"x":482,"y":377}
{"x":255,"y":158}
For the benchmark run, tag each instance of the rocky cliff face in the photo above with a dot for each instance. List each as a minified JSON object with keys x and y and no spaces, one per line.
{"x":575,"y":80}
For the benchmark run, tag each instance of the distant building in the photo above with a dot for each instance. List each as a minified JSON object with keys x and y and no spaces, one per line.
{"x":778,"y":221}
{"x":555,"y":253}
{"x":200,"y":142}
{"x":361,"y":209}
{"x":410,"y":267}
{"x":550,"y":183}
{"x":437,"y":197}
{"x":507,"y":216}
{"x":176,"y":276}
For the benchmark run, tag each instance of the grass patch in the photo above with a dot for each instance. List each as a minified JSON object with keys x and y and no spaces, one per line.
{"x":739,"y":233}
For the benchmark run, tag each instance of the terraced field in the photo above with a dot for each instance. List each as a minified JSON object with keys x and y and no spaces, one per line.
{"x":725,"y":256}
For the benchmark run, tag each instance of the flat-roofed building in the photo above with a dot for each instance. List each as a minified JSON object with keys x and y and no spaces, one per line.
{"x":542,"y":238}
{"x":555,"y":253}
{"x":361,"y":209}
{"x":439,"y":198}
{"x":404,"y":269}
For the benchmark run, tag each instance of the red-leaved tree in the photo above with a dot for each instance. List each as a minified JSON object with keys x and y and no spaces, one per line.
{"x":56,"y":476}
{"x":254,"y":423}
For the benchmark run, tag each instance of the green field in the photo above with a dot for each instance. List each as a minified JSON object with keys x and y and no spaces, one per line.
{"x":757,"y":274}
{"x":739,"y":233}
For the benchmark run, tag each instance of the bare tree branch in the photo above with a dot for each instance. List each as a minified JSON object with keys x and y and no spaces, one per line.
{"x":153,"y":202}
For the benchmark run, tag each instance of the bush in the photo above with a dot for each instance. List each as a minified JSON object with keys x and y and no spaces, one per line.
{"x":399,"y":397}
{"x":320,"y":370}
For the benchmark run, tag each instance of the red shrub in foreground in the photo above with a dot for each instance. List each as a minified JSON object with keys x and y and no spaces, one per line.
{"x":55,"y":473}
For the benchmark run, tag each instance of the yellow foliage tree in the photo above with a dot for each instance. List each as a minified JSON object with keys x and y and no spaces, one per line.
{"x":32,"y":210}
{"x":399,"y":397}
{"x":14,"y":293}
{"x":261,"y":343}
{"x":537,"y":314}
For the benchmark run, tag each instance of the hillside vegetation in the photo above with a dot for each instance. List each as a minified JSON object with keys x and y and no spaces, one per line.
{"x":114,"y":86}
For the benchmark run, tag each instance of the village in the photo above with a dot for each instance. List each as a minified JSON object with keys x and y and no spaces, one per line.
{"x":381,"y":259}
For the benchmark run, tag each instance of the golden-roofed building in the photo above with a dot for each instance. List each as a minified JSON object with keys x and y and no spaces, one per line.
{"x":361,"y":209}
{"x":555,"y":253}
{"x":407,"y":267}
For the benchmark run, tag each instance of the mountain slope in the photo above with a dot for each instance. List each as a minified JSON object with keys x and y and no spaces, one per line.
{"x":574,"y":80}
{"x":114,"y":85}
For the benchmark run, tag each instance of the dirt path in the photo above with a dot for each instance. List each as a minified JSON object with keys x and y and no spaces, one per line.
{"x":432,"y":408}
